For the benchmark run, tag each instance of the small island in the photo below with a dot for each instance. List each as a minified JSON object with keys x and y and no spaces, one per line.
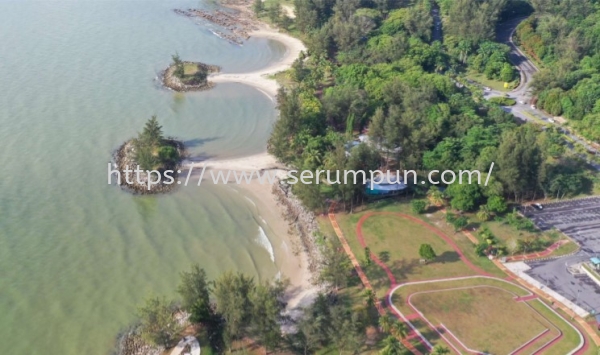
{"x":188,"y":76}
{"x":149,"y":163}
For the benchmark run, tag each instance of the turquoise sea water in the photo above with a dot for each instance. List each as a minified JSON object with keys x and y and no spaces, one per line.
{"x":76,"y":255}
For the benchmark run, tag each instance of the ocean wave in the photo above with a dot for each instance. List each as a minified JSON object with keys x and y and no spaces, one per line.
{"x":264,"y":241}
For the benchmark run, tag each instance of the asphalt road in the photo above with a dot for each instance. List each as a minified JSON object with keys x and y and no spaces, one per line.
{"x":522,"y":94}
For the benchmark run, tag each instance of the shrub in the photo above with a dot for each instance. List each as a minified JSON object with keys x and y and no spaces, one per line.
{"x":503,"y":101}
{"x":418,"y":206}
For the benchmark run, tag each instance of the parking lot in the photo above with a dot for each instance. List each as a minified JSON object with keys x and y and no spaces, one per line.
{"x":580,"y":220}
{"x":579,"y":289}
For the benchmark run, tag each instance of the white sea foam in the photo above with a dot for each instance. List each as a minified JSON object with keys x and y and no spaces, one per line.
{"x":264,"y":241}
{"x":250,"y":200}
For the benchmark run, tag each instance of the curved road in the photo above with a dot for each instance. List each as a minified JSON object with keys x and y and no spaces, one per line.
{"x":522,"y":94}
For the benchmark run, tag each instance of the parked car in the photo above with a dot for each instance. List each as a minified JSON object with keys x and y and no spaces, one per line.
{"x":537,"y":206}
{"x":533,"y":107}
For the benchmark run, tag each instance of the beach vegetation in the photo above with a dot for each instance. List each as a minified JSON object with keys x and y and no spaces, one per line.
{"x":158,"y":323}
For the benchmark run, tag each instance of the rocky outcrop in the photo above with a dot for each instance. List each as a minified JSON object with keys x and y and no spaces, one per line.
{"x":124,"y":159}
{"x":171,"y":81}
{"x":236,"y":25}
{"x":131,"y":343}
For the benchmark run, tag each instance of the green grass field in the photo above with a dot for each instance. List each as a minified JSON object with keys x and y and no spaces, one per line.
{"x":466,"y":312}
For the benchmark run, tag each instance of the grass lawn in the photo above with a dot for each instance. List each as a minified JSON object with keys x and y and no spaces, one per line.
{"x":401,"y":294}
{"x":507,"y":324}
{"x":400,"y":239}
{"x":493,"y":84}
{"x":438,"y":219}
{"x":189,"y":69}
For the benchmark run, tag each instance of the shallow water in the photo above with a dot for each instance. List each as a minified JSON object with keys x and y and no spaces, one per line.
{"x":76,"y":255}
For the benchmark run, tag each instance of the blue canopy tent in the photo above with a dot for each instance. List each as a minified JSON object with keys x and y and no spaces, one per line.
{"x":385,"y":187}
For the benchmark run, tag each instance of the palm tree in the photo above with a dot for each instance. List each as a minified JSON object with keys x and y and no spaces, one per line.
{"x":385,"y":323}
{"x":440,"y":350}
{"x":392,"y":347}
{"x":435,"y":196}
{"x":399,"y":329}
{"x":370,"y":298}
{"x":484,"y":213}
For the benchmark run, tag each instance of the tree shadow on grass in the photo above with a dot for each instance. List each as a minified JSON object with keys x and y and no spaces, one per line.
{"x":402,"y":269}
{"x":433,"y":209}
{"x":448,"y":257}
{"x":473,"y":226}
{"x":432,"y":335}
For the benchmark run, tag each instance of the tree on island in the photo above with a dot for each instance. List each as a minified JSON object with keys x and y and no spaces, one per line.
{"x":158,"y":323}
{"x":179,"y":68}
{"x":426,"y":252}
{"x":152,"y":151}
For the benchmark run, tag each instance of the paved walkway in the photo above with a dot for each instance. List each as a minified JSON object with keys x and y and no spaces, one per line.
{"x":189,"y":340}
{"x":541,"y":254}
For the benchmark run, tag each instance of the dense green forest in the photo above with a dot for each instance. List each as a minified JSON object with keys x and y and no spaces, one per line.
{"x":563,"y":36}
{"x":373,"y":66}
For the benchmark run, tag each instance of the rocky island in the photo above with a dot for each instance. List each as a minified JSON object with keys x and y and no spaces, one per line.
{"x":188,"y":76}
{"x":149,"y":163}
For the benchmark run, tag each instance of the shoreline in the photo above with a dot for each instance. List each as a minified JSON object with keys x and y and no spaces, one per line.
{"x":258,"y":78}
{"x":292,"y":260}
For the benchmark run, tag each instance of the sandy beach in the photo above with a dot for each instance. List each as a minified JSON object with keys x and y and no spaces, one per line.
{"x":292,"y":260}
{"x":259,"y":78}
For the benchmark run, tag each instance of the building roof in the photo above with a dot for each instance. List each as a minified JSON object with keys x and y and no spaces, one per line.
{"x":595,"y":261}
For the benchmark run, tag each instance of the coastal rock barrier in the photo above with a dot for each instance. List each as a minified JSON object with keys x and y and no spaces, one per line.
{"x":303,"y":222}
{"x":131,"y":343}
{"x":124,"y":158}
{"x":236,"y":25}
{"x":174,"y":83}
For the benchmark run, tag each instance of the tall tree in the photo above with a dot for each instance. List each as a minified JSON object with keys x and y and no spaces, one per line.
{"x":266,"y":314}
{"x":194,"y":289}
{"x":158,"y":323}
{"x":232,"y":296}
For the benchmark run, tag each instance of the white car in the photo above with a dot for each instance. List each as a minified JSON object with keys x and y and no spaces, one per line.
{"x":522,"y":102}
{"x":551,"y":120}
{"x":533,"y":107}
